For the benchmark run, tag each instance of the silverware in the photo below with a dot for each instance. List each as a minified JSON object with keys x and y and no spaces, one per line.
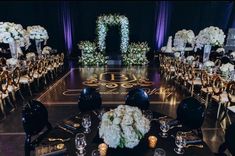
{"x":70,"y":127}
{"x":176,"y":126}
{"x":95,"y":112}
{"x":163,"y":117}
{"x":58,"y":139}
{"x":190,"y":145}
{"x":65,"y":129}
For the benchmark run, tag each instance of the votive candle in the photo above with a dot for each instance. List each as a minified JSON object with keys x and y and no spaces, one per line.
{"x":103,"y":149}
{"x":152,"y":141}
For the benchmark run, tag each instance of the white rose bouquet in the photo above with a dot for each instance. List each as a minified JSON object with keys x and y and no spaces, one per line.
{"x":209,"y":64}
{"x":30,"y":56}
{"x":123,"y":127}
{"x":37,"y":32}
{"x":11,"y":32}
{"x":211,"y":36}
{"x":183,"y":37}
{"x":46,"y":50}
{"x":227,"y":67}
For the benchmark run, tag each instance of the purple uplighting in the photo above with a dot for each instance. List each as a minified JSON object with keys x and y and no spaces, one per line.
{"x":162,"y":23}
{"x":67,"y":26}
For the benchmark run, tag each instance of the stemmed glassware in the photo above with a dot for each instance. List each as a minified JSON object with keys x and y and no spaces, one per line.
{"x":180,"y":141}
{"x":86,"y":123}
{"x":80,"y":144}
{"x":164,"y":126}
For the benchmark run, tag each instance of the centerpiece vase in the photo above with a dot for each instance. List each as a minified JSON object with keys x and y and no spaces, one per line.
{"x":38,"y":47}
{"x":13,"y":49}
{"x":206,"y":53}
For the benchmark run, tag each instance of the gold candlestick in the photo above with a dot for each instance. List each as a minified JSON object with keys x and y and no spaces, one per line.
{"x":152,"y":141}
{"x":103,"y":149}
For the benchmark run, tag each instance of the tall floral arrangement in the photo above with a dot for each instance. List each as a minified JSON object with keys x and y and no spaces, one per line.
{"x":209,"y":36}
{"x":136,"y":54}
{"x":90,"y":57}
{"x":11,"y":32}
{"x":38,"y":32}
{"x":183,"y":37}
{"x":123,"y":127}
{"x":102,"y":28}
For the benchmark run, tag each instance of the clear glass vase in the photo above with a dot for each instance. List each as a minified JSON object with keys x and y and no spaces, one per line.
{"x":206,"y":53}
{"x":38,"y":47}
{"x":13,"y":49}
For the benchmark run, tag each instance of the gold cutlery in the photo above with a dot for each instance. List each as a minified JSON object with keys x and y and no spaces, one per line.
{"x":58,"y":139}
{"x":190,"y":145}
{"x":65,"y":129}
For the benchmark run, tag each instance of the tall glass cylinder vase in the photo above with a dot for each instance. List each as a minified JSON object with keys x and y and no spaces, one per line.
{"x":13,"y":49}
{"x":206,"y":53}
{"x":38,"y":47}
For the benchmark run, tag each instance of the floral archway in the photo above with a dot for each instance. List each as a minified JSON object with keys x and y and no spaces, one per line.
{"x":102,"y":28}
{"x":93,"y":53}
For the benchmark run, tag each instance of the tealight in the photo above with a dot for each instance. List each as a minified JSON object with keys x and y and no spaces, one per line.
{"x":103,"y":149}
{"x":152,"y":141}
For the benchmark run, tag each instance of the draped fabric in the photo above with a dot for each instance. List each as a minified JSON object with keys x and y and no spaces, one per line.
{"x":162,"y":18}
{"x":67,"y":25}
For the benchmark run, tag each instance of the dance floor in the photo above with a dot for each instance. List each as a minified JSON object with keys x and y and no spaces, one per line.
{"x":112,"y":83}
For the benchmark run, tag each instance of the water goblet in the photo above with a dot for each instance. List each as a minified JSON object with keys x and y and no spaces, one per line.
{"x":86,"y":123}
{"x":148,"y":114}
{"x":164,"y":126}
{"x":95,"y":153}
{"x":159,"y":152}
{"x":80,"y":144}
{"x":180,"y":141}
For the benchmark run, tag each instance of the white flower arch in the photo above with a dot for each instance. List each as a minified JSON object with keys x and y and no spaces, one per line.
{"x":102,"y":28}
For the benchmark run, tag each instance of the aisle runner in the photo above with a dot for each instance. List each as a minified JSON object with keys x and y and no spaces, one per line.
{"x":112,"y":83}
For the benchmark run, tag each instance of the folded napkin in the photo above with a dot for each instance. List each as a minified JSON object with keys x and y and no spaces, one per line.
{"x":48,"y":150}
{"x":192,"y":138}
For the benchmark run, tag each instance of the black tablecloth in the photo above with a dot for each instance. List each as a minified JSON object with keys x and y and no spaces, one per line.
{"x":93,"y":140}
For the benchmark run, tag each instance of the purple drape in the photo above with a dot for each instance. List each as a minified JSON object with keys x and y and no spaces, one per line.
{"x":67,"y":25}
{"x":162,"y":18}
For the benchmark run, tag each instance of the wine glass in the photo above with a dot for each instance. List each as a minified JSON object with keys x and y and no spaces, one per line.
{"x":95,"y":153}
{"x":80,"y":144}
{"x":180,"y":141}
{"x":148,"y":114}
{"x":164,"y":126}
{"x":86,"y":123}
{"x":159,"y":152}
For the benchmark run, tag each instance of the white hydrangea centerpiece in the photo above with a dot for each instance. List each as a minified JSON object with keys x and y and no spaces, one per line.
{"x":226,"y":68}
{"x":11,"y":32}
{"x":37,"y":32}
{"x":182,"y":37}
{"x":209,"y":36}
{"x":124,"y":126}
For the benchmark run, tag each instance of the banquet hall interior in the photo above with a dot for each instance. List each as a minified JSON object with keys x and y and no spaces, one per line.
{"x":144,"y":78}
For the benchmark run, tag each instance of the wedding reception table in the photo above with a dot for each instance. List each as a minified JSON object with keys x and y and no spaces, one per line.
{"x":93,"y":140}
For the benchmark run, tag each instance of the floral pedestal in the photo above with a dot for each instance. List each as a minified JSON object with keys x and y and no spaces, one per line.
{"x":206,"y":53}
{"x":38,"y":47}
{"x":13,"y":49}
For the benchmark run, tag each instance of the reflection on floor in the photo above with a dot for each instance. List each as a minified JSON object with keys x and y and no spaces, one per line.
{"x":113,"y":84}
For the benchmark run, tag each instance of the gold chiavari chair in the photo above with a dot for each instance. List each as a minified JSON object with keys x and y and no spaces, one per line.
{"x":50,"y":68}
{"x":14,"y":85}
{"x":231,"y":98}
{"x":219,"y":93}
{"x":28,"y":78}
{"x":206,"y":88}
{"x":38,"y":72}
{"x":193,"y":78}
{"x":178,"y":72}
{"x":5,"y":102}
{"x":56,"y":64}
{"x":61,"y":62}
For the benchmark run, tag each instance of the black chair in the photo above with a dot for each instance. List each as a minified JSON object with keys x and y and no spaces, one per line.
{"x":89,"y":99}
{"x":35,"y":120}
{"x":138,"y":98}
{"x":191,"y":113}
{"x":229,"y":141}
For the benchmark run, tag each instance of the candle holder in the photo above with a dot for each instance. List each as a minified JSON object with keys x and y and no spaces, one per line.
{"x":152,"y":141}
{"x":103,"y":149}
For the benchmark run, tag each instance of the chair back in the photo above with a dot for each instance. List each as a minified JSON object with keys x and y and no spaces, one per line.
{"x":231,"y":92}
{"x":89,"y":99}
{"x":191,"y":113}
{"x":138,"y":98}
